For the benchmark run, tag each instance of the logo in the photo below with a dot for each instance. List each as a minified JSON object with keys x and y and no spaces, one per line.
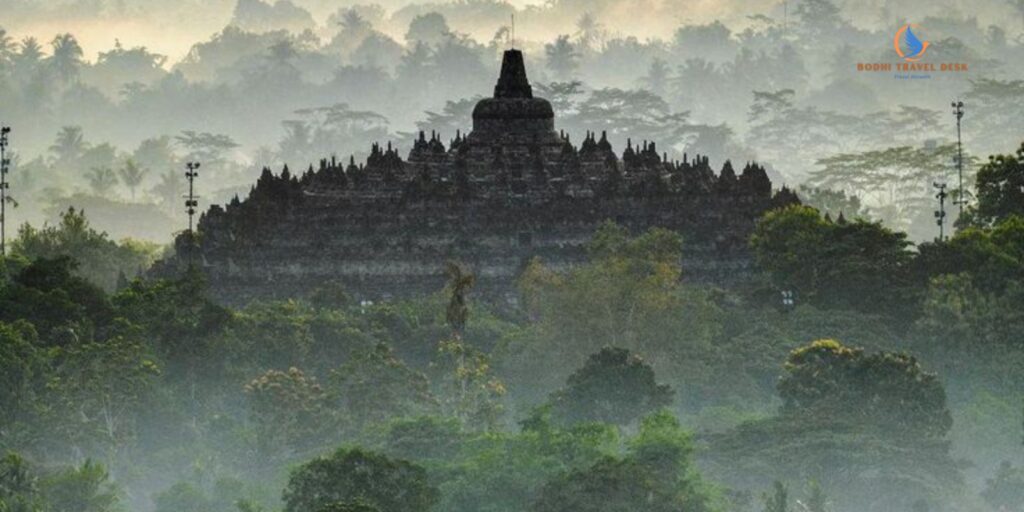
{"x":907,"y":44}
{"x":911,"y":49}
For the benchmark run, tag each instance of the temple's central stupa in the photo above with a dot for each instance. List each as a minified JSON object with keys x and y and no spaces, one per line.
{"x":513,"y":109}
{"x":511,"y":190}
{"x":513,"y":125}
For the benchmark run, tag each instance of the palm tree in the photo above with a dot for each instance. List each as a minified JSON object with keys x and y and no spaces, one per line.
{"x":430,"y":28}
{"x":280,"y":56}
{"x":351,"y":21}
{"x":297,"y":141}
{"x":588,"y":32}
{"x":562,"y":57}
{"x":156,"y":153}
{"x":6,"y":46}
{"x":67,"y":57}
{"x":354,"y":29}
{"x":31,"y":52}
{"x":132,"y":176}
{"x":170,"y":189}
{"x":562,"y":95}
{"x":69,"y":146}
{"x":208,"y":148}
{"x":101,"y":180}
{"x":414,"y":68}
{"x":657,"y":77}
{"x":460,"y":280}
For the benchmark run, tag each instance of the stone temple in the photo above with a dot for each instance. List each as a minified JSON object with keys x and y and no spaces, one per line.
{"x":511,"y":190}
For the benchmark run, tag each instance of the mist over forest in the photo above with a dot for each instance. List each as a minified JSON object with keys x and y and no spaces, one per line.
{"x":866,"y":363}
{"x":250,"y":84}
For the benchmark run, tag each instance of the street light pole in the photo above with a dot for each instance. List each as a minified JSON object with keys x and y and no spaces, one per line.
{"x":191,"y":203}
{"x":940,"y":214}
{"x":961,"y":198}
{"x":5,"y":167}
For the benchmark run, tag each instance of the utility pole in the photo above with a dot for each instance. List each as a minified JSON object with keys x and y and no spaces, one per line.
{"x":961,"y":198}
{"x":5,"y":167}
{"x":191,"y":203}
{"x":940,"y":214}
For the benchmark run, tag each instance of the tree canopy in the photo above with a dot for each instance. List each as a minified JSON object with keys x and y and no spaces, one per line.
{"x":613,"y":386}
{"x":350,"y":475}
{"x":854,"y":264}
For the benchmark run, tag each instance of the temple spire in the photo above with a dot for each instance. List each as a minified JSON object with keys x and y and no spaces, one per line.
{"x":513,"y":82}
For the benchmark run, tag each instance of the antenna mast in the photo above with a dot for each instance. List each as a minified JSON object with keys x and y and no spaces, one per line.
{"x":191,"y":203}
{"x":5,"y":167}
{"x":961,"y":198}
{"x":940,"y":214}
{"x":513,"y":44}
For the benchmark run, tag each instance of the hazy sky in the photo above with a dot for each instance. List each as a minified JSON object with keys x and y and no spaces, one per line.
{"x":171,"y":27}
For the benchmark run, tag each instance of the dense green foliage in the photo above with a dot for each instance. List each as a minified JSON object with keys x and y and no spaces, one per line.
{"x":136,"y":394}
{"x":26,"y":488}
{"x":887,"y":392}
{"x":1000,"y":185}
{"x":352,"y":476}
{"x":857,"y":265}
{"x":871,"y":428}
{"x":993,"y":258}
{"x":100,"y":260}
{"x":581,"y":397}
{"x":613,"y":386}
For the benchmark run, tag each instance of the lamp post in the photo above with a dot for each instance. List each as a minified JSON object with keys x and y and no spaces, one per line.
{"x":961,"y":198}
{"x":191,"y":203}
{"x":940,"y":214}
{"x":5,"y":167}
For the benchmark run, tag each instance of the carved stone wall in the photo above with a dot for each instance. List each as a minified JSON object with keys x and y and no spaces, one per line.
{"x":512,"y":190}
{"x":388,"y":249}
